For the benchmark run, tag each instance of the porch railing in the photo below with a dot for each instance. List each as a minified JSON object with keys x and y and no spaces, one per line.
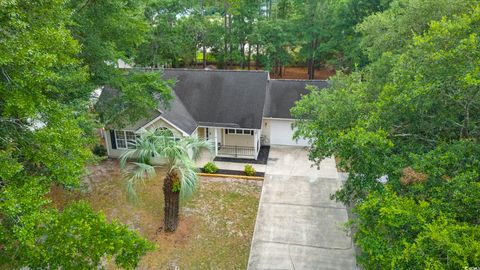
{"x":235,"y":150}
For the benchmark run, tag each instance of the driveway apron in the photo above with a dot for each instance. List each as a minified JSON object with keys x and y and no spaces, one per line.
{"x":298,"y":226}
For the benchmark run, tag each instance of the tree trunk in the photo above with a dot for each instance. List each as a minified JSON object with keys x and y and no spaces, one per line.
{"x":249,"y":55}
{"x":204,"y":56}
{"x":195,"y":59}
{"x":311,"y":74}
{"x":242,"y":52}
{"x":230,"y":41}
{"x":257,"y":58}
{"x":204,"y":48}
{"x":225,"y":25}
{"x":172,"y":203}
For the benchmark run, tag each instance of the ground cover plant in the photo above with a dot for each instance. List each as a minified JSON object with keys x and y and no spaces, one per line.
{"x":210,"y":167}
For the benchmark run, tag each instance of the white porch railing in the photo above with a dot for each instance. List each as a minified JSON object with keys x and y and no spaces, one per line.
{"x":236,"y":151}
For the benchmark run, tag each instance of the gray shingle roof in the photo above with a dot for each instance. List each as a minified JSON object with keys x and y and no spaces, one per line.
{"x":175,"y":114}
{"x":178,"y":115}
{"x":282,"y":94}
{"x":222,"y":97}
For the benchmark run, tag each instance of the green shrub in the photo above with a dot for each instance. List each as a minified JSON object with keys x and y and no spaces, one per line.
{"x":210,"y":167}
{"x":99,"y":150}
{"x":249,"y":170}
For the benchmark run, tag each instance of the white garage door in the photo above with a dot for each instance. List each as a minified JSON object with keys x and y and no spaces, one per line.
{"x":281,"y":133}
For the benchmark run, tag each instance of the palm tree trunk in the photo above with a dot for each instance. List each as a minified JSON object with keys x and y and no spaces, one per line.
{"x":172,"y":203}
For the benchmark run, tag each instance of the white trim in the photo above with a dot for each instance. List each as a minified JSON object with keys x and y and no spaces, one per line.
{"x":216,"y":141}
{"x":230,"y":128}
{"x":177,"y":128}
{"x":104,"y":131}
{"x":126,"y":140}
{"x":149,"y":123}
{"x":240,"y":134}
{"x":281,"y":119}
{"x":160,"y":117}
{"x":196,"y":129}
{"x":255,"y":132}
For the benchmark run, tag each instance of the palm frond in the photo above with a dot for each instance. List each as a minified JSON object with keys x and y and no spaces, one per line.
{"x":177,"y":155}
{"x":138,"y":173}
{"x":196,"y":145}
{"x":188,"y":177}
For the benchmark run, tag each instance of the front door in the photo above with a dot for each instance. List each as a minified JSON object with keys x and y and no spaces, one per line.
{"x":210,"y":135}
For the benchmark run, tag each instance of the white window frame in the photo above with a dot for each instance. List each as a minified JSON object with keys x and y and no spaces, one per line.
{"x":125,"y":139}
{"x":238,"y":131}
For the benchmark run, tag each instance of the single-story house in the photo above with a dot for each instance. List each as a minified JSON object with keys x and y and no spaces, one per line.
{"x":238,"y":111}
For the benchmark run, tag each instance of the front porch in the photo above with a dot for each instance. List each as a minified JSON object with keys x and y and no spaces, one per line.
{"x":232,"y":142}
{"x":206,"y":156}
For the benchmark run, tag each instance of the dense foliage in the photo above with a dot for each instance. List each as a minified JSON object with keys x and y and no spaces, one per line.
{"x":407,"y":128}
{"x":269,"y":33}
{"x":53,"y":53}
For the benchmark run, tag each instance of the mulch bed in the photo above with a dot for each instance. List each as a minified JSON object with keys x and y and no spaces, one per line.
{"x":261,"y":159}
{"x":233,"y":172}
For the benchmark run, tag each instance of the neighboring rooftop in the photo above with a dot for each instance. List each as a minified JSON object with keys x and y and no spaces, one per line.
{"x":282,"y":94}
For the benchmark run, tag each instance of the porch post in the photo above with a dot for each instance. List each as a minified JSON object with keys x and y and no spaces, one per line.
{"x":216,"y":140}
{"x":255,"y":132}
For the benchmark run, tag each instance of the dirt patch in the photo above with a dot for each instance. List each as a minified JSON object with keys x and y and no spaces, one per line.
{"x":216,"y":224}
{"x":337,"y":161}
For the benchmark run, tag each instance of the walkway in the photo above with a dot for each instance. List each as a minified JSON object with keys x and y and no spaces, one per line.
{"x":298,"y":226}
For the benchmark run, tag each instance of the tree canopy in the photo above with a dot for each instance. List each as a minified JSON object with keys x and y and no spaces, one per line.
{"x":406,"y":128}
{"x":50,"y":61}
{"x":272,"y":33}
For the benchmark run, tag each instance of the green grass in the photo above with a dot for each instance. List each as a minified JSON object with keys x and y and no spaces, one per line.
{"x":216,"y":225}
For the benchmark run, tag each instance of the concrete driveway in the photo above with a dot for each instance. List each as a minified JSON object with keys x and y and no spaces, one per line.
{"x":298,"y":226}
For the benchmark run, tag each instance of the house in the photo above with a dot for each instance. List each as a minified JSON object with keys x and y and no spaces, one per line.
{"x":238,"y":111}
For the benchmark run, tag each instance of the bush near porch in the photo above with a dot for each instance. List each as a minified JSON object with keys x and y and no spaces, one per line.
{"x":216,"y":225}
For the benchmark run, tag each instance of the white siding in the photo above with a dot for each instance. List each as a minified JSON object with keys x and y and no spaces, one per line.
{"x":239,"y":139}
{"x":116,"y":153}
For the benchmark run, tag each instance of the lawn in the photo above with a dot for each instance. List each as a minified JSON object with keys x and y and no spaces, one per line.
{"x":216,"y":225}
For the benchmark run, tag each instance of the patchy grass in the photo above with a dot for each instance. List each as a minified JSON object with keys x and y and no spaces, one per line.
{"x":216,"y":225}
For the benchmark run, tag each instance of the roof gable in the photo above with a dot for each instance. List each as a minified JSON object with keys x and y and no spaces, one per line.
{"x":282,"y":95}
{"x":221,"y":97}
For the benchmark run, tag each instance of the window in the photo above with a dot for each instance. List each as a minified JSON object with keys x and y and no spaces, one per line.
{"x":126,"y":139}
{"x":239,"y":131}
{"x":168,"y":132}
{"x":131,"y":139}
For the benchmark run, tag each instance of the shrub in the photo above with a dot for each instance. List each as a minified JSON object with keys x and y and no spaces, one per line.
{"x":99,"y":150}
{"x":210,"y":167}
{"x":249,"y":170}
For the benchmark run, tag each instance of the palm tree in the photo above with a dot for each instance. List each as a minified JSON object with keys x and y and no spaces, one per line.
{"x":176,"y":156}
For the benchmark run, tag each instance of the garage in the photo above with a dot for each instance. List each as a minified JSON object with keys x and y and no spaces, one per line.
{"x":281,"y":133}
